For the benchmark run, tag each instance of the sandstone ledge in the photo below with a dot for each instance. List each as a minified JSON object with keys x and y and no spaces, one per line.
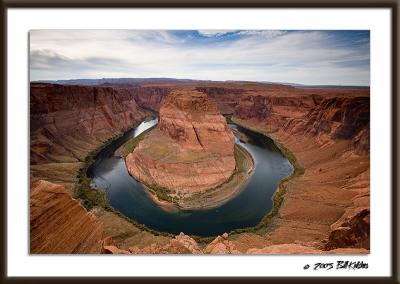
{"x":183,"y":244}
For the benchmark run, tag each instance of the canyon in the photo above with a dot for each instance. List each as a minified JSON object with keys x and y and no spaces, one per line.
{"x":325,"y":210}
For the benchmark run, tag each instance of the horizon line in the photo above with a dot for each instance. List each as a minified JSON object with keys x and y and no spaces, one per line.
{"x":203,"y":80}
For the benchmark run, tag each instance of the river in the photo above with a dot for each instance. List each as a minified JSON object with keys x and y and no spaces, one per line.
{"x":128,"y":196}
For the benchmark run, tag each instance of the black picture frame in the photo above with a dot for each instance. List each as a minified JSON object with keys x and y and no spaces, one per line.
{"x":393,"y":5}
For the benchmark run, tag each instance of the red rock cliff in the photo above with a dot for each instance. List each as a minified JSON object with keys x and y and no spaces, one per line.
{"x":338,"y":118}
{"x":191,"y":150}
{"x":328,"y":133}
{"x":194,"y":121}
{"x":69,"y":121}
{"x":59,"y":224}
{"x":150,"y":97}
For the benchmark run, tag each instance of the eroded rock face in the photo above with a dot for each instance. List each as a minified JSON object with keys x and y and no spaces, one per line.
{"x":181,"y":244}
{"x":353,"y":232}
{"x":150,"y":97}
{"x":67,"y":122}
{"x":191,"y":150}
{"x":226,"y":98}
{"x":59,"y":224}
{"x":343,"y":119}
{"x":221,"y":245}
{"x":194,"y":121}
{"x":337,"y":118}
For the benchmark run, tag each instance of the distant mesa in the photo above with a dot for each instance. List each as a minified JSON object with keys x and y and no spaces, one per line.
{"x":191,"y":150}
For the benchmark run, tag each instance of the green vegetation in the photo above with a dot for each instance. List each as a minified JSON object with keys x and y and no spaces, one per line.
{"x":241,"y":158}
{"x":91,"y":198}
{"x":88,"y":196}
{"x":228,"y":118}
{"x":131,"y":144}
{"x":162,"y":193}
{"x":203,"y":240}
{"x":278,"y":197}
{"x":298,"y":169}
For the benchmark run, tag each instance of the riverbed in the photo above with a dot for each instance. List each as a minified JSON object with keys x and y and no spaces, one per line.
{"x":125,"y":194}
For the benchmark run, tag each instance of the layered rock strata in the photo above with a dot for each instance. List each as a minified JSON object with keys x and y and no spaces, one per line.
{"x":191,"y":150}
{"x":329,"y":203}
{"x":59,"y":224}
{"x":68,"y":122}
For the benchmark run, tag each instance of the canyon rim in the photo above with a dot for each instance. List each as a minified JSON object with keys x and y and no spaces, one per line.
{"x":243,"y":155}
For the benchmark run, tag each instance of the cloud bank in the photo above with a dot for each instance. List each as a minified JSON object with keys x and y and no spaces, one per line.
{"x":304,"y":57}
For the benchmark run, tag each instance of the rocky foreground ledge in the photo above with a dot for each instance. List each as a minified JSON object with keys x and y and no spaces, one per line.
{"x":73,"y":230}
{"x":183,"y":244}
{"x":191,"y":151}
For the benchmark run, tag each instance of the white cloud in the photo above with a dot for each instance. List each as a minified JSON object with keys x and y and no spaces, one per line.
{"x":261,"y":33}
{"x":300,"y":57}
{"x":210,"y":33}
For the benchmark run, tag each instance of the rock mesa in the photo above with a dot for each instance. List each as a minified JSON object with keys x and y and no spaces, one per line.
{"x":191,"y":150}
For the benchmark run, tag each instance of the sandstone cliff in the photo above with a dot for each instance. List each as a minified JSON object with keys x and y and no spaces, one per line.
{"x":69,"y":121}
{"x":329,"y":136}
{"x":194,"y":121}
{"x":191,"y":150}
{"x":327,"y":119}
{"x":226,"y":98}
{"x":150,"y":97}
{"x":59,"y":224}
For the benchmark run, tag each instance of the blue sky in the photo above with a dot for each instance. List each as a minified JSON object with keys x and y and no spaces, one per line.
{"x":304,"y":57}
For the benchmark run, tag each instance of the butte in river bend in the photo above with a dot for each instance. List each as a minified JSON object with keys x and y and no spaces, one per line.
{"x":191,"y":152}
